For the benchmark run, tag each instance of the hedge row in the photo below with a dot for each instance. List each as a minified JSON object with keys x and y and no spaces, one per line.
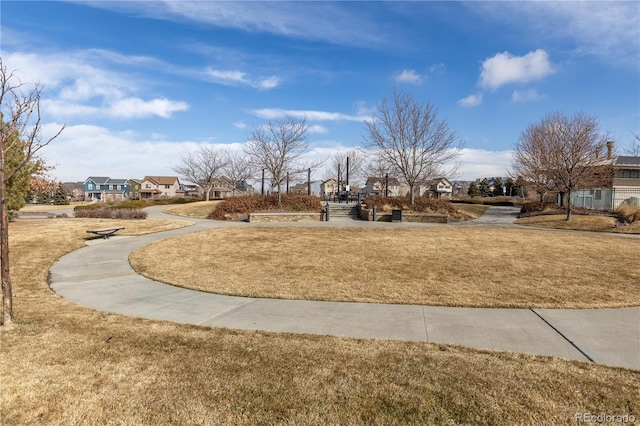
{"x":422,"y":204}
{"x":111,"y":213}
{"x":231,"y":208}
{"x":136,"y":204}
{"x":539,"y":206}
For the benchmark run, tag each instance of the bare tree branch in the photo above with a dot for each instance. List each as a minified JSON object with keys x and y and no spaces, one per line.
{"x":203,"y":166}
{"x":562,"y":153}
{"x":278,"y":148}
{"x":238,"y":170}
{"x":410,"y":140}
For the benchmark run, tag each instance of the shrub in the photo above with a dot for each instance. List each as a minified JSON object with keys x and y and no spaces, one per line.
{"x":236,"y":206}
{"x":111,"y":213}
{"x":422,"y":205}
{"x":539,"y":206}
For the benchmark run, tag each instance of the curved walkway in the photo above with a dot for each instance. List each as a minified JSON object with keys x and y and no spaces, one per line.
{"x":99,"y":276}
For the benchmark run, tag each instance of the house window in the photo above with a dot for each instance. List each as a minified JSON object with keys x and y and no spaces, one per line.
{"x":90,"y":186}
{"x":119,"y":187}
{"x":167,"y":187}
{"x":147,"y":186}
{"x":110,"y":187}
{"x":598,"y":194}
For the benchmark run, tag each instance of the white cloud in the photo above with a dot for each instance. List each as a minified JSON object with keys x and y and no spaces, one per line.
{"x":330,"y":21}
{"x":87,"y":150}
{"x":471,"y":100}
{"x":479,"y":163}
{"x":271,"y":113}
{"x":240,"y":78}
{"x":270,"y":83}
{"x":526,"y":95}
{"x":240,"y":125}
{"x":408,"y":76}
{"x":138,"y":108}
{"x":316,"y":128}
{"x":438,"y":69}
{"x":227,"y":77}
{"x":83,"y":83}
{"x":504,"y":68}
{"x":608,"y":29}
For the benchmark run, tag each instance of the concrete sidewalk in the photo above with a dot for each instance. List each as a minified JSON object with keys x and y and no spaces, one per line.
{"x":99,"y":276}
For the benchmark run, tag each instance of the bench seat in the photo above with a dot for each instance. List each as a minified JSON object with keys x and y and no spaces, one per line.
{"x":105,"y":232}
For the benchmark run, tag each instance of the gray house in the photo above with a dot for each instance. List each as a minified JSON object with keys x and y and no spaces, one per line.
{"x":97,"y":188}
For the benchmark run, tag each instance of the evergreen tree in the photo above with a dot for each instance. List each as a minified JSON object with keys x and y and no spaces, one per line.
{"x":60,"y":197}
{"x":473,"y":190}
{"x":510,"y":187}
{"x":498,"y":190}
{"x":18,"y":185}
{"x":484,"y":189}
{"x":520,"y":188}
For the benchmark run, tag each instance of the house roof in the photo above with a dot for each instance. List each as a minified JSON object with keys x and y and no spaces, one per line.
{"x":627,"y":160}
{"x":118,"y":181}
{"x":373,"y":180}
{"x":162,"y":180}
{"x":102,"y":180}
{"x":98,"y":179}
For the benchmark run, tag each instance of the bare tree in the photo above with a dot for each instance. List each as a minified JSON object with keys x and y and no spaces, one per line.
{"x":20,"y":107}
{"x":529,"y":161}
{"x":278,"y":148}
{"x":634,"y":148}
{"x":338,"y":165}
{"x":203,"y":166}
{"x":568,"y":151}
{"x":238,"y":170}
{"x":410,"y":139}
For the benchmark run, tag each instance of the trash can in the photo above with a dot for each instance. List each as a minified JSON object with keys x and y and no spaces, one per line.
{"x":396,"y":215}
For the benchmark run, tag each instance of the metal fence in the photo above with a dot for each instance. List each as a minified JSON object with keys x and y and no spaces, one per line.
{"x":605,"y":199}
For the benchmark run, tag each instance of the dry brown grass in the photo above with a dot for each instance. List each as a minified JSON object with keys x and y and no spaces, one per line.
{"x":580,"y":223}
{"x":451,"y":266}
{"x":63,"y":364}
{"x":47,"y":207}
{"x":198,"y":209}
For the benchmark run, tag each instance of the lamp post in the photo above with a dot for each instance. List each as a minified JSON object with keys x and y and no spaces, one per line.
{"x":386,"y":185}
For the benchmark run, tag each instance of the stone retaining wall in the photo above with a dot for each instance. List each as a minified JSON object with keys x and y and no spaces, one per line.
{"x":285,"y":217}
{"x":367,"y":214}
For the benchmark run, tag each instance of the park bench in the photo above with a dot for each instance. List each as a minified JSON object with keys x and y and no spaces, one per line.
{"x":105,"y":232}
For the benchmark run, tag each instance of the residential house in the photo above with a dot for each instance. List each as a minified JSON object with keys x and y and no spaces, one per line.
{"x":160,"y":186}
{"x":135,"y":186}
{"x":223,"y":188}
{"x":105,"y":189}
{"x":376,"y":187}
{"x":622,"y":184}
{"x":329,"y":188}
{"x":436,"y":188}
{"x":303,"y":188}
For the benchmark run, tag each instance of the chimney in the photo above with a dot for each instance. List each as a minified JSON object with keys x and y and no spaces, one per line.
{"x":610,"y":146}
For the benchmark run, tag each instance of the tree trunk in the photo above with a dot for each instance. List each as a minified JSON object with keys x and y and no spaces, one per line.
{"x":568,"y":205}
{"x":412,"y":195}
{"x":279,"y":194}
{"x":7,"y":294}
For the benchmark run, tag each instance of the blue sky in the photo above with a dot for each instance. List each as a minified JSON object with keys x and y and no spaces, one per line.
{"x":138,"y":83}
